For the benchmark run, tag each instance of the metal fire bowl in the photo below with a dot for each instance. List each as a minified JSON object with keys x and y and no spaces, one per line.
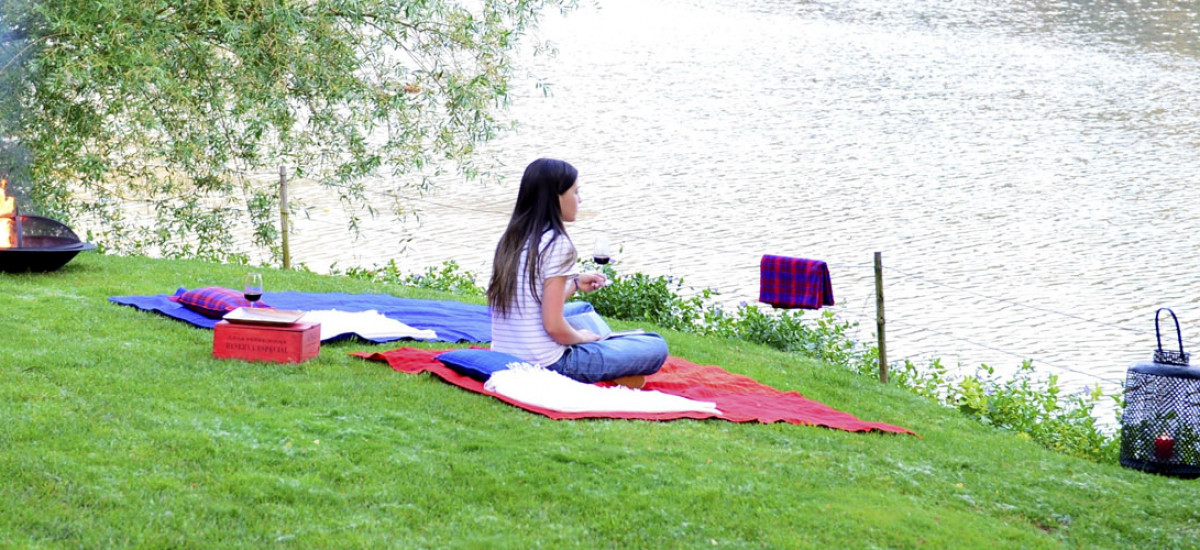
{"x":46,"y":245}
{"x":41,"y":254}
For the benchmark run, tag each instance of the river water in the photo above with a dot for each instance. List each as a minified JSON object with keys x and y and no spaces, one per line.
{"x":1026,"y":168}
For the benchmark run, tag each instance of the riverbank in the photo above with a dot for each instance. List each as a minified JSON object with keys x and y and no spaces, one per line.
{"x":1018,"y":166}
{"x":121,"y":430}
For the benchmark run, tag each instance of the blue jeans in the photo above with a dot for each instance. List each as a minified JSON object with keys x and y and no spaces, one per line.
{"x":613,"y":358}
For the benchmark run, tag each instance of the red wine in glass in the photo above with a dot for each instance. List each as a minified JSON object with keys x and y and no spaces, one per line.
{"x":253,"y":288}
{"x":600,"y":252}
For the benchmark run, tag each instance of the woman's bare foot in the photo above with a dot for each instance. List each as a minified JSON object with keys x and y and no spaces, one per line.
{"x":635,"y":381}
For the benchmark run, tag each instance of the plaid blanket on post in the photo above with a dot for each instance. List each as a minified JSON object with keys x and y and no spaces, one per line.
{"x":794,"y":283}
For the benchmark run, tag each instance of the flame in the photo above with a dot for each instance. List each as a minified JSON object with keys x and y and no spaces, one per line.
{"x":8,"y":217}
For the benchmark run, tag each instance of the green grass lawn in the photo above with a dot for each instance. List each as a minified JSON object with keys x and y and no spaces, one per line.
{"x":119,"y":429}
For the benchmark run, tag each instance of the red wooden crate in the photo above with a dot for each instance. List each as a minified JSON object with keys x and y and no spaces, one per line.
{"x":292,"y":343}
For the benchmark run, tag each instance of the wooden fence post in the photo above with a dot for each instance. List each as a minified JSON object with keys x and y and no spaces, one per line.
{"x":283,"y":217}
{"x":879,"y":319}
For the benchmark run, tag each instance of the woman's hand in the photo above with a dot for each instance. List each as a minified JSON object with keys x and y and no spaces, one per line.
{"x":556,"y":292}
{"x":591,"y":282}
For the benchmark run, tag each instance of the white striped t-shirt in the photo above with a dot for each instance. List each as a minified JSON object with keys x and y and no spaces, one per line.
{"x":521,"y":333}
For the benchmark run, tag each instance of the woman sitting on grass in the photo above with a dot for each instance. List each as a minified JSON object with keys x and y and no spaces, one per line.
{"x":527,"y":291}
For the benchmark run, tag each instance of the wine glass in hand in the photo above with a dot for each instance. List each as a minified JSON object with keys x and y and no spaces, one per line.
{"x":600,"y":253}
{"x":253,"y":288}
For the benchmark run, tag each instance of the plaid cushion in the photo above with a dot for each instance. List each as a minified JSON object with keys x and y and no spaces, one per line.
{"x":212,"y":301}
{"x":794,"y":283}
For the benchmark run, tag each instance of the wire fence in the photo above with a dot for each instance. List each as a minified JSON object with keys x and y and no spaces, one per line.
{"x":864,"y":314}
{"x":867,"y":318}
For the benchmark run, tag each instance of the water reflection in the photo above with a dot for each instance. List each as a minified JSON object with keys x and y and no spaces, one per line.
{"x":1165,"y":26}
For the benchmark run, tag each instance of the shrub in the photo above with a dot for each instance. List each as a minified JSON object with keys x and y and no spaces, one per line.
{"x":657,"y":300}
{"x":448,"y":278}
{"x":1020,"y":403}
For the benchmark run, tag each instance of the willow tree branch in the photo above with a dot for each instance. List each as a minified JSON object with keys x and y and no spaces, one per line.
{"x":26,"y":48}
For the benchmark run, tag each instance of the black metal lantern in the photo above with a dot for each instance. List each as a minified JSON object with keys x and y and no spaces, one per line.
{"x":1160,"y":430}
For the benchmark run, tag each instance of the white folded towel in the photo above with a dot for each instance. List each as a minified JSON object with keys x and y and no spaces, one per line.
{"x":550,"y":390}
{"x":367,"y":324}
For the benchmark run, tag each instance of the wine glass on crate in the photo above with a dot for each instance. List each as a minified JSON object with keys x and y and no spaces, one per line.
{"x":253,"y":288}
{"x":600,"y":252}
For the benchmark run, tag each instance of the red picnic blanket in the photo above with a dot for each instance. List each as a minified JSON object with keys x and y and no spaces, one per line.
{"x":739,"y":398}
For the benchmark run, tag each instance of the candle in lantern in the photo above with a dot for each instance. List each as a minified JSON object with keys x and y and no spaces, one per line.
{"x":1164,"y":447}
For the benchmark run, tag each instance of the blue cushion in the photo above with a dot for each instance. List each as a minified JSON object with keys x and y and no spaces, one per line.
{"x":581,"y":315}
{"x":477,"y":363}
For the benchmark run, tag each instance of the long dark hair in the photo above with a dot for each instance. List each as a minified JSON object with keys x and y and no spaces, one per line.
{"x":537,"y":210}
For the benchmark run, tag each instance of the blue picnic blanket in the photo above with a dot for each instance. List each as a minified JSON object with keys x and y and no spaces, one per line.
{"x":452,"y":321}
